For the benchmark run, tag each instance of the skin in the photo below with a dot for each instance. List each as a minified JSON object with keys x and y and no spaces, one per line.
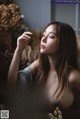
{"x":48,"y":45}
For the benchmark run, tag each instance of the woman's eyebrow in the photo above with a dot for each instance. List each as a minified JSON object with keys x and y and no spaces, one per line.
{"x":51,"y":32}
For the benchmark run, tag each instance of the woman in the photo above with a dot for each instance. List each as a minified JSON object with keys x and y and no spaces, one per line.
{"x":56,"y":68}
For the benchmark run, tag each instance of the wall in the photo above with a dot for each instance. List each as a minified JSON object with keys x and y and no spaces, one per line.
{"x":65,"y":13}
{"x":68,"y":13}
{"x":36,"y":12}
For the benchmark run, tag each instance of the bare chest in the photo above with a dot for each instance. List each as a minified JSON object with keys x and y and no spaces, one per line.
{"x":51,"y":86}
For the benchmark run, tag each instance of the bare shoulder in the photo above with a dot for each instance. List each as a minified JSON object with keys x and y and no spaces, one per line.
{"x":74,"y":78}
{"x":34,"y":66}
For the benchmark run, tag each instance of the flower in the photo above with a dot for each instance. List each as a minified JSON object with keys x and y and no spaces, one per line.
{"x":10,"y":17}
{"x":57,"y":114}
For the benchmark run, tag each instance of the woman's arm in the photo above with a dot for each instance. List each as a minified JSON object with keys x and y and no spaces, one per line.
{"x":74,"y":79}
{"x":14,"y":66}
{"x":22,"y":42}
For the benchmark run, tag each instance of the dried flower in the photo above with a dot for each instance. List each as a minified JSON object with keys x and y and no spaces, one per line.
{"x":10,"y":17}
{"x":57,"y":114}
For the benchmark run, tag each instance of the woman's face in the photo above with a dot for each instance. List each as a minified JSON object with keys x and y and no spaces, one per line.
{"x":49,"y":41}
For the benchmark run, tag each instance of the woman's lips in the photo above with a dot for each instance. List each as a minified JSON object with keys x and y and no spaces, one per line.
{"x":42,"y":46}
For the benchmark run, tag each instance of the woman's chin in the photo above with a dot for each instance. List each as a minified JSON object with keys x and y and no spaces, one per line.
{"x":42,"y":51}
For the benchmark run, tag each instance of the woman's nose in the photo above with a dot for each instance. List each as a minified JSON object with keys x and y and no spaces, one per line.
{"x":44,"y":38}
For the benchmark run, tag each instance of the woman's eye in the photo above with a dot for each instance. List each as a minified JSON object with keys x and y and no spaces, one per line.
{"x":51,"y":36}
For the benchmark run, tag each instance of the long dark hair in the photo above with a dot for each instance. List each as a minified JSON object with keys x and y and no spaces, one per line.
{"x":66,"y":58}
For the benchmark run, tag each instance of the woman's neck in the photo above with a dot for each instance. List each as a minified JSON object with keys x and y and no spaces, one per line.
{"x":52,"y":63}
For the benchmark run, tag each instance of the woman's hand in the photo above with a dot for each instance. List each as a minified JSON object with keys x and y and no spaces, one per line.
{"x":23,"y":40}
